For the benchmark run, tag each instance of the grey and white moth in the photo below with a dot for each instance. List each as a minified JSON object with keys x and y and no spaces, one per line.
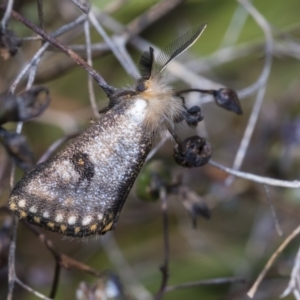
{"x":81,"y":190}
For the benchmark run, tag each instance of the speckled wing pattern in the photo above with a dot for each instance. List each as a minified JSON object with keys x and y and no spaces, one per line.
{"x":81,"y":190}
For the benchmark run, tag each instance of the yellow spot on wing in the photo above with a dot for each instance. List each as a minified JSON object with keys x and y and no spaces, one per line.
{"x":50,"y":224}
{"x":108,"y":227}
{"x":77,"y":229}
{"x":93,"y":227}
{"x":37,"y":219}
{"x":13,"y":206}
{"x":63,"y":228}
{"x":23,"y":214}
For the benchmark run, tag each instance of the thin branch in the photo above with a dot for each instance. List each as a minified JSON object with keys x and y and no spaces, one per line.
{"x":235,"y":27}
{"x":55,"y":280}
{"x":118,"y":51}
{"x":165,"y":266}
{"x":75,"y":57}
{"x":12,"y":277}
{"x":292,"y":286}
{"x":273,"y":212}
{"x":155,"y":13}
{"x":113,"y":6}
{"x":31,"y":290}
{"x":40,"y":13}
{"x":55,"y":146}
{"x":84,"y":7}
{"x":7,"y":14}
{"x":270,"y":262}
{"x":126,"y":273}
{"x":213,"y":281}
{"x":256,"y":178}
{"x":31,"y":38}
{"x":177,"y":69}
{"x":41,"y":51}
{"x":11,"y":259}
{"x":102,"y":49}
{"x":92,"y":96}
{"x":157,"y":147}
{"x":260,"y":20}
{"x":63,"y":260}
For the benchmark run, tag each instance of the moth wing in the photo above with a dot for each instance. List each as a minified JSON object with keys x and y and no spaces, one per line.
{"x":52,"y":195}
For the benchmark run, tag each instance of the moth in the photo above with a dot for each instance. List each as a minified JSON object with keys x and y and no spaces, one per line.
{"x":81,"y":190}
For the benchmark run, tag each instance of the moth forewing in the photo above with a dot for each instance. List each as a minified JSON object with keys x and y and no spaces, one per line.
{"x":82,"y":189}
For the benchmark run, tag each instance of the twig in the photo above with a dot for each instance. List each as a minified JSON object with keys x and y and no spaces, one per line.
{"x":55,"y":146}
{"x":113,"y":6}
{"x":102,"y":49}
{"x":63,"y":260}
{"x":157,"y":147}
{"x":41,"y":51}
{"x":260,"y":20}
{"x":294,"y":281}
{"x":12,"y":278}
{"x":84,"y":7}
{"x":11,"y":259}
{"x":12,"y":248}
{"x":177,"y":69}
{"x":90,"y":62}
{"x":165,"y":266}
{"x":256,"y":178}
{"x":235,"y":27}
{"x":213,"y":281}
{"x":75,"y":57}
{"x":7,"y":15}
{"x":117,"y":49}
{"x":126,"y":273}
{"x":32,"y":73}
{"x":270,"y":262}
{"x":31,"y":38}
{"x":31,"y":290}
{"x":149,"y":17}
{"x":40,"y":13}
{"x":55,"y":280}
{"x":273,"y":212}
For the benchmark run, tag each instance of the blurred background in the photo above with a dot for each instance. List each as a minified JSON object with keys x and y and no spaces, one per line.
{"x":241,"y":235}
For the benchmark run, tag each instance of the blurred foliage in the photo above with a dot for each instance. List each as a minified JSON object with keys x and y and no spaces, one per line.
{"x":240,"y":236}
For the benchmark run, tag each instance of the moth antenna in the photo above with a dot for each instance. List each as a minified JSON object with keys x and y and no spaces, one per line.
{"x":177,"y":47}
{"x":146,"y":63}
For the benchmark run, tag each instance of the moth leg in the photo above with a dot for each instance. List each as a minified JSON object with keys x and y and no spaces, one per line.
{"x":193,"y":115}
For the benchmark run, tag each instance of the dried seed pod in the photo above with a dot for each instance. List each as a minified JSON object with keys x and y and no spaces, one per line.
{"x":27,"y":105}
{"x":194,"y":151}
{"x":228,"y":99}
{"x":17,"y":147}
{"x":9,"y":43}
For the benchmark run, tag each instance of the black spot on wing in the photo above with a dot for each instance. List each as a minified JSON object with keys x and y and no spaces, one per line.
{"x":83,"y":166}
